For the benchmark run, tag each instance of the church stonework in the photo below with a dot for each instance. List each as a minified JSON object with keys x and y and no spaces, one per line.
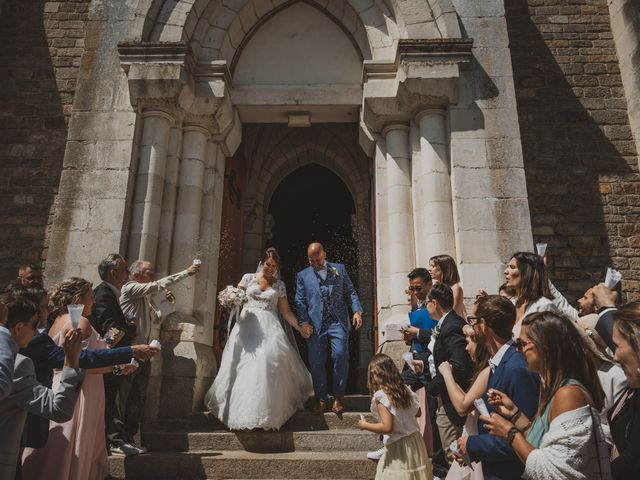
{"x":456,"y":126}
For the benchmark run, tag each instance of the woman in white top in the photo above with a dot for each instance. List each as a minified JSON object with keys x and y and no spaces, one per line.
{"x":396,"y":406}
{"x":527,"y":274}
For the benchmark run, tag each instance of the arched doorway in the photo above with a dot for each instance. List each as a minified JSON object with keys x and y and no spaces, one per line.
{"x":313,"y":204}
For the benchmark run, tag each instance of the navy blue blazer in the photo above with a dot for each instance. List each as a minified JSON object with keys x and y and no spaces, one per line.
{"x":342,"y":295}
{"x":46,"y":357}
{"x":499,"y":461}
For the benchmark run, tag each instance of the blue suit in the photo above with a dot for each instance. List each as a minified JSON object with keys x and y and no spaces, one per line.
{"x":325,"y":305}
{"x":46,"y":356}
{"x":499,"y":461}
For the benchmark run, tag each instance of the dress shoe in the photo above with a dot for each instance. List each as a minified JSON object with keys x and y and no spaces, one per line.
{"x":320,"y":407}
{"x":337,"y":407}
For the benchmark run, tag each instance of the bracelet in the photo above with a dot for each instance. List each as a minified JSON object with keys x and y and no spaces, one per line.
{"x":526,"y":427}
{"x":511,"y":435}
{"x":514,"y":418}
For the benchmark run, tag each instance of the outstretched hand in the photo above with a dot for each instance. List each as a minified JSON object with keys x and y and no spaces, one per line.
{"x":72,"y":347}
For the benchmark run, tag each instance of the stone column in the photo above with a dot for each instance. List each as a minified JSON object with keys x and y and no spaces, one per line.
{"x":165,"y":234}
{"x":186,"y":235}
{"x":399,"y":254}
{"x":432,"y":184}
{"x":147,"y":203}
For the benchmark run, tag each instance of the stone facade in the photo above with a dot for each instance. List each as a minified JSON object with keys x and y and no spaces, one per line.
{"x":41,"y":46}
{"x":470,"y":128}
{"x":580,"y":155}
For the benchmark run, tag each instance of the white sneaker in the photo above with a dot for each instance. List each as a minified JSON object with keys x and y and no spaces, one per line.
{"x":376,"y":454}
{"x":140,"y":448}
{"x":124,"y":449}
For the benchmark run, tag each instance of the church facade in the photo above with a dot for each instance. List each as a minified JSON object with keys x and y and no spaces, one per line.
{"x":390,"y":130}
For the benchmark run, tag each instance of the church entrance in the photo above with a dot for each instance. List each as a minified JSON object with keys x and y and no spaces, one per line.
{"x":313,"y":204}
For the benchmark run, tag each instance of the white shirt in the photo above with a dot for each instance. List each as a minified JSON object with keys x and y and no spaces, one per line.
{"x":405,"y":421}
{"x":497,"y":358}
{"x":432,"y":344}
{"x":323,"y":271}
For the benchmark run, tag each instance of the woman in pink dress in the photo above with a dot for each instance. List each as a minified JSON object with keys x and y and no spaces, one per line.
{"x":75,"y":449}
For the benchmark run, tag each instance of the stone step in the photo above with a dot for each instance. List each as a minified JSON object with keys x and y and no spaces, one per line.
{"x":283,"y":441}
{"x":303,"y":420}
{"x":240,"y":464}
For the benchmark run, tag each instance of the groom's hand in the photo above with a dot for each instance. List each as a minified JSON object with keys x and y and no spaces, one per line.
{"x":357,"y":320}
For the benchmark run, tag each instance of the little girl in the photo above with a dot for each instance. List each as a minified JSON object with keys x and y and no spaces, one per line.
{"x":405,"y":455}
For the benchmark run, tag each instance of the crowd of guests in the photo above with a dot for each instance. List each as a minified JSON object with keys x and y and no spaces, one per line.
{"x":73,"y":393}
{"x":526,"y":386}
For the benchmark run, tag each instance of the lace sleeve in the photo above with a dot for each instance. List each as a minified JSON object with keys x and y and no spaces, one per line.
{"x":281,"y":289}
{"x":245,"y":280}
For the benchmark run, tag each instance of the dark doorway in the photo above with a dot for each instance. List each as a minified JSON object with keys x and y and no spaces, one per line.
{"x":312,"y":204}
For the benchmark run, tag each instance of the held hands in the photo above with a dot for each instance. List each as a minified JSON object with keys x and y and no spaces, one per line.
{"x":72,"y":347}
{"x":357,"y":320}
{"x":306,"y":330}
{"x":143,"y":352}
{"x":502,"y":403}
{"x":128,"y":369}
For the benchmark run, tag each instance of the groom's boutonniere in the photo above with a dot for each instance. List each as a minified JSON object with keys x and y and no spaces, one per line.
{"x":334,"y":271}
{"x":436,"y":331}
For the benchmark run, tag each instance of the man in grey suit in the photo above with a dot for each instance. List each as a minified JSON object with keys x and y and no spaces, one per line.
{"x":27,"y":395}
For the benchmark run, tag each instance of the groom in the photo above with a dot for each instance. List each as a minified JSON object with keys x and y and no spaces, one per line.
{"x":322,"y":293}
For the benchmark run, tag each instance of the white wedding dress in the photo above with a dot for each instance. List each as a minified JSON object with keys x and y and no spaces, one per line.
{"x":262,"y":380}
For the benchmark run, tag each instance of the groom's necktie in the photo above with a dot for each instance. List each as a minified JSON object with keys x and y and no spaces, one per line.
{"x":324,"y":292}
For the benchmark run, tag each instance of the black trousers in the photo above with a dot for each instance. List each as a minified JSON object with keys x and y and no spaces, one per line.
{"x":114,"y":425}
{"x":133,"y":398}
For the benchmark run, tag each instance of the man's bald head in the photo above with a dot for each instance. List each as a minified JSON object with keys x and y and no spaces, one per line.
{"x":316,"y":255}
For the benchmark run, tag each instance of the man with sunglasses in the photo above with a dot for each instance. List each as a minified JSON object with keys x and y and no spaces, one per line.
{"x":492,"y":321}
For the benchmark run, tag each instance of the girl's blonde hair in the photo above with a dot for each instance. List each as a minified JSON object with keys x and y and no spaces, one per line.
{"x":384,"y":375}
{"x":63,"y":293}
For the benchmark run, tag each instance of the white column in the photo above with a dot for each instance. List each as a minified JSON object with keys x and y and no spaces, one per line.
{"x":186,"y":235}
{"x":165,"y":234}
{"x":399,"y":254}
{"x":147,"y":202}
{"x":206,"y":287}
{"x":432,"y":178}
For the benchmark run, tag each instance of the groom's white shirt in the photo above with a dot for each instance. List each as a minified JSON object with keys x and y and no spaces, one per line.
{"x":323,"y":271}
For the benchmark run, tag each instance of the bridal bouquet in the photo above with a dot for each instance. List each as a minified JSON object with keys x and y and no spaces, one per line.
{"x":232,"y":298}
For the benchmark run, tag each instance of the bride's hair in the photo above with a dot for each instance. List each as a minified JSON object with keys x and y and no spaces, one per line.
{"x":384,"y":375}
{"x":270,"y":253}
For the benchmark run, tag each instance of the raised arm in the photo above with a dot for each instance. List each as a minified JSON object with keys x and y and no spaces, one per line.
{"x":7,"y":362}
{"x":463,"y":402}
{"x":133,"y":290}
{"x":563,"y":305}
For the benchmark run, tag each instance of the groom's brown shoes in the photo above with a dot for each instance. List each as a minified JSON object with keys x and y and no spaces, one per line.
{"x":338,"y":407}
{"x":320,"y":407}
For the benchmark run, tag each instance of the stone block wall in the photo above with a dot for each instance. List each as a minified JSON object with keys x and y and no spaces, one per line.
{"x":580,"y":157}
{"x":41,"y":43}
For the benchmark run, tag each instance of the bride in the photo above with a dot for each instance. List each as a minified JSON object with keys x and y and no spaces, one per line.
{"x":262,"y":380}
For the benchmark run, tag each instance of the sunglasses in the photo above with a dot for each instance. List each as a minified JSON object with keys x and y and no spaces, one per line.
{"x":415,"y":289}
{"x":519,"y":344}
{"x":471,"y":320}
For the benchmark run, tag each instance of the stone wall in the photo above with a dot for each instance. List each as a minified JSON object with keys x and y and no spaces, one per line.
{"x":580,"y":158}
{"x":40,"y":48}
